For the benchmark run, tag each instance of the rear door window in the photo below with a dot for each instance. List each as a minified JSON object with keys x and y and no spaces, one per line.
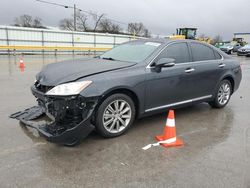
{"x":201,"y":52}
{"x":177,"y":51}
{"x":217,"y":55}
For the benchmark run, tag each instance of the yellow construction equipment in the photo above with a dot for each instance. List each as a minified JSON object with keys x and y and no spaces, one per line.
{"x":189,"y":33}
{"x":185,"y":33}
{"x":240,"y":41}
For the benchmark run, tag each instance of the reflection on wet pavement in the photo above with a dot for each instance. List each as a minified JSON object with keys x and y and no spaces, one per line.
{"x":216,"y":151}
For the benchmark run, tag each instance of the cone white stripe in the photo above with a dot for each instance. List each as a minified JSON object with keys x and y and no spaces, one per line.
{"x":170,"y":122}
{"x":168,"y":141}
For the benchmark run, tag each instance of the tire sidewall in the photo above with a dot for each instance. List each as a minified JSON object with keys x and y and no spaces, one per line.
{"x":217,"y":92}
{"x":99,"y":115}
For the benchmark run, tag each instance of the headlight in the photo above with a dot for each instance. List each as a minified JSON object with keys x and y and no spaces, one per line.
{"x":72,"y":88}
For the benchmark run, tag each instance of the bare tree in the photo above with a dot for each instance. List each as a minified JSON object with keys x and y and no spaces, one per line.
{"x":24,"y":21}
{"x":116,"y":28}
{"x":146,"y":33}
{"x":97,"y":20}
{"x":135,"y":28}
{"x":81,"y":22}
{"x":138,"y":29}
{"x":67,"y":24}
{"x":203,"y":36}
{"x":37,"y":23}
{"x":27,"y":21}
{"x":217,"y":38}
{"x":107,"y":26}
{"x":100,"y":24}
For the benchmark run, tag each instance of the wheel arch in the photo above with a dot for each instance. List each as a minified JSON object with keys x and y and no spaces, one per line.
{"x":230,"y":79}
{"x":123,"y":90}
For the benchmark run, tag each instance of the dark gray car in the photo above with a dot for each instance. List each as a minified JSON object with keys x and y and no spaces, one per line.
{"x":229,"y":48}
{"x":244,"y":51}
{"x":130,"y":81}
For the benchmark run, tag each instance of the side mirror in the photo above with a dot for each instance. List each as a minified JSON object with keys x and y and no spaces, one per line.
{"x":164,"y":62}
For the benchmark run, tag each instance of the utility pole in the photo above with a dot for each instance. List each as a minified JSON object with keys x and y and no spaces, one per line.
{"x":64,"y":6}
{"x":75,"y":17}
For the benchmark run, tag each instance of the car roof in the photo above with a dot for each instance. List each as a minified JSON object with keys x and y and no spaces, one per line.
{"x":167,"y":41}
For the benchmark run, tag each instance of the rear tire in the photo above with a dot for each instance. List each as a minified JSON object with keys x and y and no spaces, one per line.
{"x":222,"y":94}
{"x":115,"y":115}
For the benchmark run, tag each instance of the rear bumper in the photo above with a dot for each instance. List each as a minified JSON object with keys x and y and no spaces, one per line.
{"x":70,"y":117}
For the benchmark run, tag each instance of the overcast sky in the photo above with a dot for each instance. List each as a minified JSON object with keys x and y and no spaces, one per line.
{"x":211,"y":17}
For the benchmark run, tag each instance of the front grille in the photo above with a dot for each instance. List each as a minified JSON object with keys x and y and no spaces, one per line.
{"x":42,"y":88}
{"x":242,"y":52}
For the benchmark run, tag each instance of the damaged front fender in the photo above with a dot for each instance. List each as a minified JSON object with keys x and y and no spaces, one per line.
{"x":70,"y":117}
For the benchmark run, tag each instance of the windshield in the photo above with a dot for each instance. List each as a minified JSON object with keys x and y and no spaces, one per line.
{"x":135,"y":51}
{"x":228,"y":45}
{"x":247,"y":46}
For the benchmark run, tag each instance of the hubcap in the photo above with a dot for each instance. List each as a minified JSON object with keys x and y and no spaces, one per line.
{"x":224,"y":93}
{"x":116,"y":116}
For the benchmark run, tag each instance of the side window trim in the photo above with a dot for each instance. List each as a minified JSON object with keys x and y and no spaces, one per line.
{"x":191,"y":58}
{"x":221,"y":57}
{"x":173,"y":43}
{"x":190,"y":53}
{"x":190,"y":43}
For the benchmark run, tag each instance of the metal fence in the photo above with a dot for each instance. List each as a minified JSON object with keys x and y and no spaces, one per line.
{"x":21,"y":39}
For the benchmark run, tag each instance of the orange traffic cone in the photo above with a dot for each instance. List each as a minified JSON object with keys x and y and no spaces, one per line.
{"x":21,"y":63}
{"x":169,"y":138}
{"x":21,"y":69}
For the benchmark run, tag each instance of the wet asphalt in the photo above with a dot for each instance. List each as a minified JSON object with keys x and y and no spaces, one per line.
{"x":216,"y":151}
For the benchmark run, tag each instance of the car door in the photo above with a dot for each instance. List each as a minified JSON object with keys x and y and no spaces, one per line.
{"x":208,"y":68}
{"x":171,"y":85}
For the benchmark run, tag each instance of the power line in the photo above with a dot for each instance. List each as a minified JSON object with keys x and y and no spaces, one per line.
{"x":88,"y":12}
{"x":65,"y":6}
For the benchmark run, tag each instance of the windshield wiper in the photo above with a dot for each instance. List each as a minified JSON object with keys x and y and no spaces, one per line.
{"x":108,"y":58}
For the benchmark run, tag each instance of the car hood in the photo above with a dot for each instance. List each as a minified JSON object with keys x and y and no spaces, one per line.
{"x":245,"y":48}
{"x":226,"y":47}
{"x":68,"y":71}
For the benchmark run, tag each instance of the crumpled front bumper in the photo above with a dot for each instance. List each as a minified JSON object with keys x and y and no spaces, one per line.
{"x":70,"y":117}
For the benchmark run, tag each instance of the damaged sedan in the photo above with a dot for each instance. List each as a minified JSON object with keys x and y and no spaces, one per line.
{"x":138,"y":78}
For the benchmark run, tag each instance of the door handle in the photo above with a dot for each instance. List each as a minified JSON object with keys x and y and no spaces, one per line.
{"x":188,"y":70}
{"x":221,"y":65}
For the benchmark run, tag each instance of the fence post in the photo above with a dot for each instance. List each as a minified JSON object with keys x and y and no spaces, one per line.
{"x":114,"y":41}
{"x":7,"y":39}
{"x":42,"y":32}
{"x":94,"y":43}
{"x":73,"y":42}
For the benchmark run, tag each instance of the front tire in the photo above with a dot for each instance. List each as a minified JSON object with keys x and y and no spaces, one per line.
{"x":222,"y":95}
{"x":115,"y":115}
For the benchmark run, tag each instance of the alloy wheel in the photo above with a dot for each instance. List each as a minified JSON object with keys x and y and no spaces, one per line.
{"x":224,"y":93}
{"x":117,"y":116}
